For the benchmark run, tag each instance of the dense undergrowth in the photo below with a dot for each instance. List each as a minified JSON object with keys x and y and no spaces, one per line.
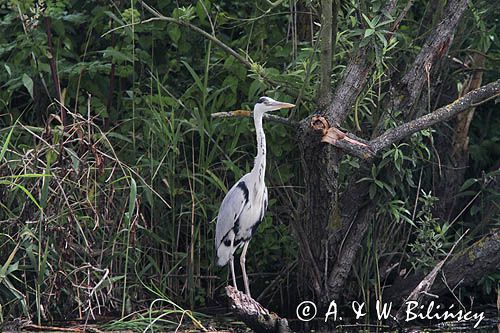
{"x":116,"y":208}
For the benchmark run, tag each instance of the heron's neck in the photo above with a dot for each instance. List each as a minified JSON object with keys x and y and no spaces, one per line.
{"x":259,"y":167}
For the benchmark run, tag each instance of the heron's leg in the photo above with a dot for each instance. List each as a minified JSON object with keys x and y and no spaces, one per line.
{"x":231,"y":262}
{"x":243,"y":269}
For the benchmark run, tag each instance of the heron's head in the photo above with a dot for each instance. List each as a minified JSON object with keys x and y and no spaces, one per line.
{"x":266,"y":104}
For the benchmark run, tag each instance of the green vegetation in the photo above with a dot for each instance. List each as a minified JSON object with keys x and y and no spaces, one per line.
{"x":112,"y":169}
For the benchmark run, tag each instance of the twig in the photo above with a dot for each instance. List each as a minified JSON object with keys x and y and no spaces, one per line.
{"x":218,"y":42}
{"x":251,"y":66}
{"x":247,"y":113}
{"x":426,"y":284}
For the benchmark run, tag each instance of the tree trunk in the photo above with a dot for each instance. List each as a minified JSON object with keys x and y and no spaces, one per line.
{"x":333,"y":228}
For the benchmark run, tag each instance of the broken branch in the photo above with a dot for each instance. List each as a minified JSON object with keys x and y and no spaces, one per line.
{"x":255,"y":315}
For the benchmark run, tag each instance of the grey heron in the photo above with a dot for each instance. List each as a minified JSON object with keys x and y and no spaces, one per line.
{"x":243,"y":207}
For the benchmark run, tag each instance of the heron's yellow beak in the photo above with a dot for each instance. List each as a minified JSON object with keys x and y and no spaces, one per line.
{"x":282,"y":105}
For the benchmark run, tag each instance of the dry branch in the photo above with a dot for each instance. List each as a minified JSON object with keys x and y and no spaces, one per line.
{"x":247,"y":113}
{"x":255,"y":315}
{"x":332,"y":135}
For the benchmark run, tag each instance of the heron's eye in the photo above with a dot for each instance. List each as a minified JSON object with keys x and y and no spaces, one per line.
{"x":261,"y":100}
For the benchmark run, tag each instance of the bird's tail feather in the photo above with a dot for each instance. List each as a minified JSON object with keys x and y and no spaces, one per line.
{"x":224,"y":254}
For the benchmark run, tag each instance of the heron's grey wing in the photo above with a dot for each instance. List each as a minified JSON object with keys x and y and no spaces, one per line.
{"x":230,"y":209}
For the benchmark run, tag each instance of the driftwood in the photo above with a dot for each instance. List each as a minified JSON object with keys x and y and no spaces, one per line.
{"x":255,"y":315}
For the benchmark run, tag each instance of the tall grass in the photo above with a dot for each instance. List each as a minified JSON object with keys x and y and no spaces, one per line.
{"x":87,"y":214}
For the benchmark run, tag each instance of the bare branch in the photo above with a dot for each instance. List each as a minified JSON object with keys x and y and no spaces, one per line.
{"x":426,"y":284}
{"x":216,"y":41}
{"x":247,"y":113}
{"x":463,"y":268}
{"x":370,"y":148}
{"x":474,"y":97}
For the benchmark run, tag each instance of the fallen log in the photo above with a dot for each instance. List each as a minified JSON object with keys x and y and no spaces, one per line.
{"x":254,"y":315}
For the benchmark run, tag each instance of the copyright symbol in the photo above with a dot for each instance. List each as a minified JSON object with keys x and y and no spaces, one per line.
{"x":306,"y":311}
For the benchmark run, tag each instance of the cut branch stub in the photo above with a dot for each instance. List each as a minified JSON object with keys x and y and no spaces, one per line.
{"x":346,"y":141}
{"x":255,"y":315}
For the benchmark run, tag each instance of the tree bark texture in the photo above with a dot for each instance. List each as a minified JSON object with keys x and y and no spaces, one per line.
{"x":435,"y":48}
{"x":326,"y":46}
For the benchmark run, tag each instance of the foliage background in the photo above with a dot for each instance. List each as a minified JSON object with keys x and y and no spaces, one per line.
{"x":116,"y":209}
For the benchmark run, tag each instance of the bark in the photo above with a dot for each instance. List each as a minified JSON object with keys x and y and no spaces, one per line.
{"x":435,"y":47}
{"x":353,"y":235}
{"x":320,"y":165}
{"x":255,"y":315}
{"x":326,"y":47}
{"x":463,"y":269}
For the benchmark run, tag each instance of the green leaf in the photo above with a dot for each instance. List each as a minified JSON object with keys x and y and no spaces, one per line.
{"x":368,"y":33}
{"x":28,"y":83}
{"x":7,"y":68}
{"x":468,"y":183}
{"x":6,"y":143}
{"x":132,"y":198}
{"x":368,"y":21}
{"x":174,"y":32}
